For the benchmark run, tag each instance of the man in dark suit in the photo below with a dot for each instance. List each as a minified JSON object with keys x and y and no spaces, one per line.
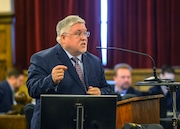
{"x":167,"y":72}
{"x":123,"y":81}
{"x":15,"y":78}
{"x":66,"y":68}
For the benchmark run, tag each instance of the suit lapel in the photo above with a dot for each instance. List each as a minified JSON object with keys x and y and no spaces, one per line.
{"x":66,"y":61}
{"x":10,"y":92}
{"x":86,"y":68}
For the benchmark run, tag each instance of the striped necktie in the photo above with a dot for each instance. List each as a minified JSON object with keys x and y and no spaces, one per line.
{"x":79,"y":71}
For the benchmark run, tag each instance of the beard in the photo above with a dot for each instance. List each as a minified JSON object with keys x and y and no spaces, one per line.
{"x":126,"y":85}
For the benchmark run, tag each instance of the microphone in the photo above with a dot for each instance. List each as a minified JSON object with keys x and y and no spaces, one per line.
{"x":154,"y":78}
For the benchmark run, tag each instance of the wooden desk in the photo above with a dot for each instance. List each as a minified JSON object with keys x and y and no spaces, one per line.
{"x":13,"y":122}
{"x":141,"y":110}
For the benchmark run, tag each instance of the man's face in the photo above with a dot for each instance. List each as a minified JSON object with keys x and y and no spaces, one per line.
{"x":170,"y":76}
{"x":75,"y":41}
{"x":18,"y":81}
{"x":123,"y":78}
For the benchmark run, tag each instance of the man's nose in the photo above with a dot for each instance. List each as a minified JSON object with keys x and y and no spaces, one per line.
{"x":126,"y":79}
{"x":83,"y":37}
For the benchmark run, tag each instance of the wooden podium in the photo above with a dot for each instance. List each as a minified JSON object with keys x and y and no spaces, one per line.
{"x":13,"y":122}
{"x":141,"y":110}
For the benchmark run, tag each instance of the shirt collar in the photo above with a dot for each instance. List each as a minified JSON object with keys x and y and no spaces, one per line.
{"x":70,"y":56}
{"x":115,"y":89}
{"x":122,"y":92}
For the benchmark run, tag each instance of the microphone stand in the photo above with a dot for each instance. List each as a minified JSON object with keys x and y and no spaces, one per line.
{"x":137,"y":53}
{"x":175,"y":120}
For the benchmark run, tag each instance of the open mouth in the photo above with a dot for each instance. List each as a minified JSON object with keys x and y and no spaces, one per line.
{"x":83,"y":44}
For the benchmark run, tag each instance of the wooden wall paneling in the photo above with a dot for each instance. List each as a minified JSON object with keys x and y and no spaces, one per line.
{"x":5,"y":43}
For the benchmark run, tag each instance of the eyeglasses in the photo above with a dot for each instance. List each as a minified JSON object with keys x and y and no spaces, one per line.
{"x":80,"y":33}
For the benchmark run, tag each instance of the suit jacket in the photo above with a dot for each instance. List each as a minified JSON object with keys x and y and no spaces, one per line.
{"x":130,"y":90}
{"x":6,"y":97}
{"x":157,"y":90}
{"x":40,"y":80}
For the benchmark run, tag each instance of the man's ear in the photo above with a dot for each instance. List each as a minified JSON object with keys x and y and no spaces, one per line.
{"x":12,"y":78}
{"x":114,"y":77}
{"x":62,"y":39}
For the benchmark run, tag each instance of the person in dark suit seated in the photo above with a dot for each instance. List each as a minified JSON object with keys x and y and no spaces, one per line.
{"x":14,"y":80}
{"x":123,"y":81}
{"x":167,"y":72}
{"x":67,"y":67}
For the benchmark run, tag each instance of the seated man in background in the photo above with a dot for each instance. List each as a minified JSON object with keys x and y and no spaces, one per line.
{"x":167,"y":72}
{"x":14,"y":79}
{"x":123,"y":81}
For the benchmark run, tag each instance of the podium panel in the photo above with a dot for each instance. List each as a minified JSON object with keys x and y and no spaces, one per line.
{"x":13,"y":122}
{"x":141,"y":110}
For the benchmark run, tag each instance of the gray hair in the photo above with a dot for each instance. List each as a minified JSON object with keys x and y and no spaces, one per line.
{"x":122,"y":65}
{"x":65,"y":24}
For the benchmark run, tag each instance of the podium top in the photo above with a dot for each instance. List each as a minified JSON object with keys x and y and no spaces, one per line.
{"x":142,"y":98}
{"x":154,"y":83}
